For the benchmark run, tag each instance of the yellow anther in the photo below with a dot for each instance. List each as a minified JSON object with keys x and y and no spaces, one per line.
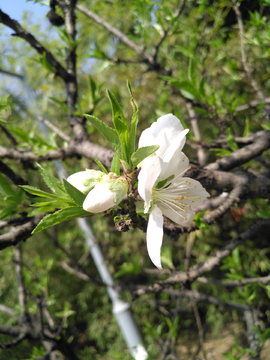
{"x":185,"y":181}
{"x":185,"y":218}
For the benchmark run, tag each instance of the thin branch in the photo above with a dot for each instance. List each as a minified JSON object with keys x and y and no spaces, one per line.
{"x":262,"y":227}
{"x":243,"y":51}
{"x":7,"y":310}
{"x":18,"y":268}
{"x":194,"y":123}
{"x":14,"y":177}
{"x":10,"y":73}
{"x":75,"y":272}
{"x":232,"y":283}
{"x":14,"y":342}
{"x":261,"y":143}
{"x":21,"y":32}
{"x":122,"y":37}
{"x":20,"y":233}
{"x":252,"y":104}
{"x":167,"y":31}
{"x":200,"y":329}
{"x":55,"y":129}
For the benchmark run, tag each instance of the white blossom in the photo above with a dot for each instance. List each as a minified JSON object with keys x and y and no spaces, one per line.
{"x":162,"y":186}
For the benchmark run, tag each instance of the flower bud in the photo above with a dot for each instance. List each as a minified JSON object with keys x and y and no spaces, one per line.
{"x":86,"y":180}
{"x":106,"y":195}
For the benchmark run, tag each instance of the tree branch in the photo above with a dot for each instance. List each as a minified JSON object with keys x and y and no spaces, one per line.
{"x":20,"y":233}
{"x":122,"y":37}
{"x":22,"y":33}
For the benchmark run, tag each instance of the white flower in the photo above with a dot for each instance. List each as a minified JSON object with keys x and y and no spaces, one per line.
{"x":104,"y":191}
{"x":106,"y":195}
{"x":163,"y":188}
{"x":87,"y":180}
{"x":163,"y":132}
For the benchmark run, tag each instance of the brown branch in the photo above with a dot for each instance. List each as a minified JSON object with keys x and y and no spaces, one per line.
{"x":252,"y":104}
{"x":18,"y":268}
{"x":20,"y":233}
{"x":261,"y":143}
{"x":22,"y":33}
{"x":14,"y":177}
{"x":262,"y":227}
{"x":7,"y":310}
{"x":232,"y":283}
{"x":54,"y":128}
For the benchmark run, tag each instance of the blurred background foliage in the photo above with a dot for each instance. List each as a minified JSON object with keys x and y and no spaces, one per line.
{"x":200,"y":60}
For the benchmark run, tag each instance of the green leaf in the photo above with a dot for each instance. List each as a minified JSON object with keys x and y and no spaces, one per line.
{"x":102,"y":167}
{"x":222,"y":152}
{"x":59,"y":217}
{"x":246,"y":131}
{"x":52,"y":182}
{"x":263,"y":214}
{"x":74,"y":193}
{"x":61,"y":103}
{"x":115,"y":166}
{"x":186,"y":87}
{"x":134,"y":122}
{"x":231,"y":142}
{"x":120,"y":124}
{"x":35,"y":191}
{"x":142,"y":153}
{"x":6,"y":187}
{"x":109,"y":133}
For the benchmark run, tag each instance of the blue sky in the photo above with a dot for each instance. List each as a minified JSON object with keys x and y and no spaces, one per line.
{"x":15,"y":8}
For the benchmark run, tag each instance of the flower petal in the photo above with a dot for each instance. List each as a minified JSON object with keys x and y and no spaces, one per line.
{"x":176,"y":145}
{"x":177,"y":165}
{"x":180,"y":217}
{"x":99,"y":199}
{"x":77,"y":180}
{"x":154,"y":236}
{"x":147,"y":178}
{"x":162,"y":132}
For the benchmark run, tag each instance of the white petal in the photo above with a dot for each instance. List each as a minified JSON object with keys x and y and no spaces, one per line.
{"x":77,"y":180}
{"x":175,"y":146}
{"x":154,"y":236}
{"x":162,"y":132}
{"x":99,"y":199}
{"x":179,"y":217}
{"x":147,"y":178}
{"x":177,"y":166}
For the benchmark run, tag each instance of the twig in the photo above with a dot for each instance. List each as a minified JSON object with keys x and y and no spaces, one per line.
{"x":252,"y":104}
{"x":14,"y":342}
{"x":166,"y":31}
{"x":122,"y":37}
{"x":7,"y":310}
{"x":200,"y":329}
{"x":18,"y":268}
{"x":263,"y":226}
{"x":194,"y":123}
{"x":55,"y":129}
{"x":243,"y":52}
{"x":232,"y":283}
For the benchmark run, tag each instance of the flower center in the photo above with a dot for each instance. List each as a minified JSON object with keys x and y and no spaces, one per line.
{"x":174,"y":195}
